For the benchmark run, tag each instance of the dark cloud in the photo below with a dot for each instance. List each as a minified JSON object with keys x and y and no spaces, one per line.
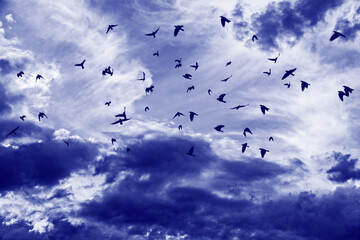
{"x":344,"y":169}
{"x":4,"y":106}
{"x":6,"y":67}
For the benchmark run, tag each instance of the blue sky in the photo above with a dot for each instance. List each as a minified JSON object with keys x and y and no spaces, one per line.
{"x":305,"y":188}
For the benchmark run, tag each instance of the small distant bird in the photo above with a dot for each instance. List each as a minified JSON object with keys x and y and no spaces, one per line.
{"x":287,"y":84}
{"x":153,"y":33}
{"x":304,"y":85}
{"x":347,"y":90}
{"x":192,"y":115}
{"x":67,"y":142}
{"x":20,"y":74}
{"x":108,"y":103}
{"x":336,"y":35}
{"x":177,"y":29}
{"x":221,"y":98}
{"x":263,"y":152}
{"x":226,"y":79}
{"x":191,"y":152}
{"x":224,"y":20}
{"x":219,"y":127}
{"x":239,"y":106}
{"x":264,"y":109}
{"x":187,"y":76}
{"x":121,"y":121}
{"x":41,"y":115}
{"x":244,"y":146}
{"x":209,"y":91}
{"x":180,"y":127}
{"x":274,"y":59}
{"x":247,"y":130}
{"x":196,"y":66}
{"x":128,"y":150}
{"x":268,"y":73}
{"x":190,"y":88}
{"x":288,"y":73}
{"x":80,"y":64}
{"x":254,"y":37}
{"x":341,"y":95}
{"x":156,"y":53}
{"x":178,"y":114}
{"x":38,"y":77}
{"x":149,"y":89}
{"x":23,"y":117}
{"x":13,"y":131}
{"x":178,"y":63}
{"x":147,"y":108}
{"x":143,"y":78}
{"x":110,"y":27}
{"x":227,"y":64}
{"x":271,"y":139}
{"x":113,"y":140}
{"x":122,"y":114}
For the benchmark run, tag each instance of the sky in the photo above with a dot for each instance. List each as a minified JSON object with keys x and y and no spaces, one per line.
{"x":63,"y":178}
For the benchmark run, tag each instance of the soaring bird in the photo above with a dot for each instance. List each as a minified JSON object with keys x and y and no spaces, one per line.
{"x":178,"y":63}
{"x":113,"y":140}
{"x":254,"y":37}
{"x":122,"y":114}
{"x":110,"y":27}
{"x":288,"y":73}
{"x":341,"y":95}
{"x":244,"y":146}
{"x":247,"y":130}
{"x":224,"y":20}
{"x":271,"y":139}
{"x":187,"y":76}
{"x":336,"y":35}
{"x":180,"y":127}
{"x":67,"y":142}
{"x":38,"y":77}
{"x":178,"y":114}
{"x":228,"y":63}
{"x":221,"y":98}
{"x":149,"y":89}
{"x":153,"y":33}
{"x":226,"y":79}
{"x":41,"y":115}
{"x":304,"y":85}
{"x":128,"y":150}
{"x":209,"y":91}
{"x":147,"y":108}
{"x":20,"y":74}
{"x":23,"y":117}
{"x":274,"y":59}
{"x":177,"y":29}
{"x":190,"y":88}
{"x":108,"y":103}
{"x":239,"y":106}
{"x":264,"y":108}
{"x":348,"y":90}
{"x":268,"y":73}
{"x":192,"y":115}
{"x":80,"y":64}
{"x":196,"y":66}
{"x":219,"y":127}
{"x":263,"y":152}
{"x":191,"y":152}
{"x":143,"y":78}
{"x":156,"y":53}
{"x":287,"y":84}
{"x":121,"y":121}
{"x":13,"y":131}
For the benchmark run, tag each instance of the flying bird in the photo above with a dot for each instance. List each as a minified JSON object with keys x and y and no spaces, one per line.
{"x":23,"y":117}
{"x":156,"y":53}
{"x":341,"y":95}
{"x":80,"y":64}
{"x":254,"y":37}
{"x":239,"y":106}
{"x":177,"y":29}
{"x":247,"y":130}
{"x":113,"y":140}
{"x":149,"y":89}
{"x":226,"y":79}
{"x":228,"y":63}
{"x":108,"y":103}
{"x":209,"y":91}
{"x":268,"y":73}
{"x":180,"y":127}
{"x":121,"y":121}
{"x":128,"y":150}
{"x":38,"y":77}
{"x":347,"y":90}
{"x":288,"y":73}
{"x":271,"y":139}
{"x":153,"y":33}
{"x":221,"y":98}
{"x":274,"y":59}
{"x":336,"y":35}
{"x":196,"y":66}
{"x":224,"y":20}
{"x":110,"y":27}
{"x":264,"y":109}
{"x":143,"y":78}
{"x":287,"y":84}
{"x":13,"y":131}
{"x":41,"y":115}
{"x":191,"y":152}
{"x":122,"y":114}
{"x":190,"y":88}
{"x":178,"y":114}
{"x":263,"y":152}
{"x":179,"y":63}
{"x":67,"y":142}
{"x":187,"y":76}
{"x":244,"y":146}
{"x":147,"y":108}
{"x":192,"y":115}
{"x":219,"y":127}
{"x":304,"y":85}
{"x":20,"y":74}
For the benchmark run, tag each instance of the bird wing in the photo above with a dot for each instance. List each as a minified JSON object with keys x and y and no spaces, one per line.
{"x":108,"y":29}
{"x":341,"y":95}
{"x":176,"y":31}
{"x":221,"y":97}
{"x":285,"y":75}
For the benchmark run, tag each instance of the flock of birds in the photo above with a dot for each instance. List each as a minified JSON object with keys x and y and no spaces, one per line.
{"x":122,"y":117}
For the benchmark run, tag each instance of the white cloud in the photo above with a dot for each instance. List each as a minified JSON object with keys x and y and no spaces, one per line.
{"x":9,"y":18}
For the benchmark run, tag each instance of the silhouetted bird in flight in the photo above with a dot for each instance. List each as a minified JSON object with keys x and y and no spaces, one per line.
{"x":228,"y":63}
{"x":121,"y":121}
{"x":196,"y":66}
{"x":20,"y":74}
{"x":348,"y":90}
{"x":264,"y":109}
{"x":110,"y":27}
{"x":263,"y":152}
{"x":108,"y":103}
{"x":13,"y":131}
{"x":153,"y":33}
{"x":209,"y":91}
{"x":147,"y":108}
{"x":178,"y":63}
{"x":178,"y":114}
{"x":113,"y":140}
{"x":187,"y":76}
{"x":244,"y":146}
{"x":288,"y":73}
{"x":156,"y":54}
{"x":67,"y":142}
{"x":304,"y":85}
{"x":287,"y":84}
{"x":143,"y":78}
{"x":247,"y":130}
{"x":226,"y":79}
{"x":219,"y":127}
{"x":122,"y":114}
{"x":191,"y":152}
{"x":274,"y":59}
{"x":254,"y":37}
{"x":192,"y":115}
{"x":41,"y":115}
{"x":221,"y":98}
{"x":80,"y":64}
{"x":239,"y":106}
{"x":271,"y":139}
{"x":341,"y":95}
{"x":224,"y":20}
{"x":268,"y":73}
{"x":107,"y":71}
{"x":180,"y":127}
{"x":128,"y":150}
{"x":190,"y":88}
{"x":38,"y":77}
{"x":336,"y":35}
{"x":149,"y":89}
{"x":177,"y":29}
{"x":23,"y":117}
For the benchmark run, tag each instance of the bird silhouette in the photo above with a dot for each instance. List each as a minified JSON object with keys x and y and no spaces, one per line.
{"x":177,"y":29}
{"x":226,"y":79}
{"x":263,"y":152}
{"x":187,"y":76}
{"x":108,"y":103}
{"x":128,"y":150}
{"x":38,"y":77}
{"x":268,"y":73}
{"x":13,"y":131}
{"x":341,"y":95}
{"x":227,"y":64}
{"x":178,"y":114}
{"x":122,"y":114}
{"x":244,"y":146}
{"x":190,"y":88}
{"x":178,"y":63}
{"x":221,"y":98}
{"x":219,"y":127}
{"x":110,"y":27}
{"x":113,"y":140}
{"x":191,"y":152}
{"x":20,"y":74}
{"x":192,"y":115}
{"x":304,"y":85}
{"x":287,"y":84}
{"x":80,"y":64}
{"x":156,"y":53}
{"x":196,"y":66}
{"x":239,"y":106}
{"x":336,"y":35}
{"x":149,"y":89}
{"x":147,"y":108}
{"x":274,"y":59}
{"x":288,"y":73}
{"x":67,"y":142}
{"x":224,"y":20}
{"x":247,"y":130}
{"x":41,"y":115}
{"x":180,"y":127}
{"x":209,"y":91}
{"x":264,"y":109}
{"x":107,"y":71}
{"x":347,"y":90}
{"x":254,"y":37}
{"x":153,"y":33}
{"x":271,"y":139}
{"x":23,"y":117}
{"x":121,"y":121}
{"x":143,"y":78}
